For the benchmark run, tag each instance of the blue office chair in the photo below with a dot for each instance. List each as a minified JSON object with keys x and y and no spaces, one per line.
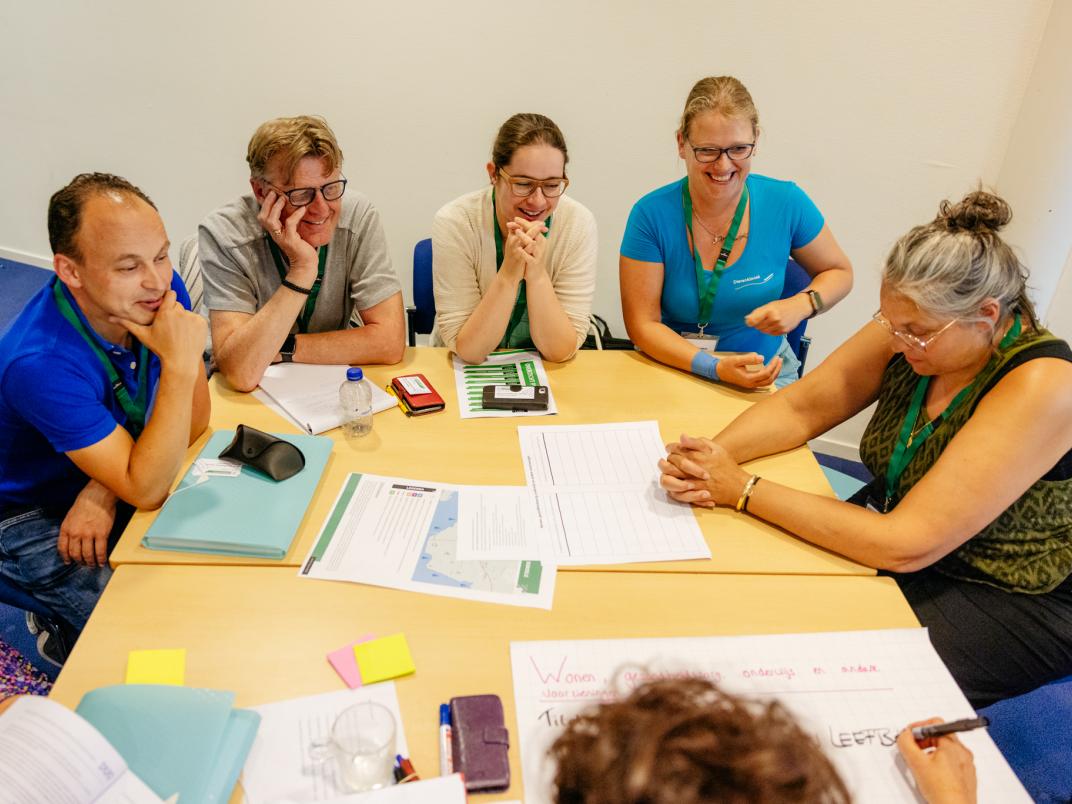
{"x":421,"y":316}
{"x":16,"y":598}
{"x":796,"y":279}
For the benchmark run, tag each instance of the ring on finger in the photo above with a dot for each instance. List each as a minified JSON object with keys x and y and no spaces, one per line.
{"x":277,"y":232}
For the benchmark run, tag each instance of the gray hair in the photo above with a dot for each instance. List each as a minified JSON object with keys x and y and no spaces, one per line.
{"x":951,"y":265}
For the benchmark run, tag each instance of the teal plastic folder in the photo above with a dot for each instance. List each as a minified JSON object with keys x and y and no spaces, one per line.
{"x":176,"y":739}
{"x":246,"y":515}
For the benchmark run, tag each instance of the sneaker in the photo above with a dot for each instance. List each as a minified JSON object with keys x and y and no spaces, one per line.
{"x":50,"y":643}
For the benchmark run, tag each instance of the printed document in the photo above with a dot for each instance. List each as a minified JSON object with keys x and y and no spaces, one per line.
{"x":49,"y":754}
{"x":853,"y":690}
{"x":598,"y":488}
{"x":403,"y":534}
{"x":279,"y":766}
{"x":308,"y":394}
{"x":501,"y":368}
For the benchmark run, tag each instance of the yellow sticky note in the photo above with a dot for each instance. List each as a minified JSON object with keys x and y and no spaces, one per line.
{"x":157,"y":667}
{"x":381,"y":659}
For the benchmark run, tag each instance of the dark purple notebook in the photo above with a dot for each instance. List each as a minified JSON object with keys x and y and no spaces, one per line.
{"x":480,"y":742}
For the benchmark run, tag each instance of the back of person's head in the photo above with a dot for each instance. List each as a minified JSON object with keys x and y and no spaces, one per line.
{"x":526,"y":128}
{"x":288,"y":140}
{"x":952,"y":265}
{"x":723,"y":94}
{"x":684,"y":741}
{"x":66,"y":205}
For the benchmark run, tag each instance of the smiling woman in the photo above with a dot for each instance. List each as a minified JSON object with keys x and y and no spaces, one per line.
{"x":514,"y":264}
{"x":970,"y":444}
{"x":703,"y":259}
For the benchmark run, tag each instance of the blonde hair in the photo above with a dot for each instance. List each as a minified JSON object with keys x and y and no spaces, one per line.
{"x":953,"y":264}
{"x":723,"y":94}
{"x":292,"y":139}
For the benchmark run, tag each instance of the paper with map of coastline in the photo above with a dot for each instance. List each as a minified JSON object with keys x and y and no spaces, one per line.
{"x":403,"y":534}
{"x":853,"y":690}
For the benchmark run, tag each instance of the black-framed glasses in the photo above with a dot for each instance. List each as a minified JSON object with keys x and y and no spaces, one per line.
{"x":915,"y":341}
{"x":523,"y":186}
{"x":304,"y":196}
{"x":736,"y":153}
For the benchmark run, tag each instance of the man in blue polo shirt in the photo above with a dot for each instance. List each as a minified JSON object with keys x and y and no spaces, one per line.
{"x":102,"y":388}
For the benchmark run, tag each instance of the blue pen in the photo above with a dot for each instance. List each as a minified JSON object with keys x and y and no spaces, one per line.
{"x":446,"y":749}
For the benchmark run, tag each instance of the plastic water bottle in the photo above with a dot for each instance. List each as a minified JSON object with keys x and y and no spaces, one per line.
{"x":355,"y":397}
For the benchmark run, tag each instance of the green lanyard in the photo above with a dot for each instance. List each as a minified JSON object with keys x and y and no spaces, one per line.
{"x":520,"y":305}
{"x":707,"y":296}
{"x":314,"y":291}
{"x":134,"y":409}
{"x":907,"y":445}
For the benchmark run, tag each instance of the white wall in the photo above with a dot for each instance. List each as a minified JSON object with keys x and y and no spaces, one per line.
{"x":1036,"y":177}
{"x":878,"y":110}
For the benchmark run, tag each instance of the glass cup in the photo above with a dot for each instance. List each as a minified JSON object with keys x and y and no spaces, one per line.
{"x":362,"y":743}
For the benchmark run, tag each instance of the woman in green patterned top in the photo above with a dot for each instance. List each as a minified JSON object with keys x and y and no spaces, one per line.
{"x":970,"y":446}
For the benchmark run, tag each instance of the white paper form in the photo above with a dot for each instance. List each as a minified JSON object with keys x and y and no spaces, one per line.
{"x":51,"y":754}
{"x":598,"y":487}
{"x":500,"y":523}
{"x":437,"y":790}
{"x":279,"y":766}
{"x":500,"y":368}
{"x":853,"y":690}
{"x":403,"y":534}
{"x":308,"y":394}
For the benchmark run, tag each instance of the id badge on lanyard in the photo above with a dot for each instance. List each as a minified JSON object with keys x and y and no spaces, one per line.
{"x":702,"y":340}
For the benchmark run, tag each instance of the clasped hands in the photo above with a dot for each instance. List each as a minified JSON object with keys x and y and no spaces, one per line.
{"x":525,"y":249}
{"x":700,"y":472}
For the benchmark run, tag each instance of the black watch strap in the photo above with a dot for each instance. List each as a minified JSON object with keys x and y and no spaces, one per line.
{"x":286,"y":351}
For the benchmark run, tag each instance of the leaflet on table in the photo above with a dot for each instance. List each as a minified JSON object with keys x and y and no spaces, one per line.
{"x":50,"y":754}
{"x":500,"y":368}
{"x":403,"y":534}
{"x":308,"y":394}
{"x":854,"y":691}
{"x":279,"y":766}
{"x":597,"y":486}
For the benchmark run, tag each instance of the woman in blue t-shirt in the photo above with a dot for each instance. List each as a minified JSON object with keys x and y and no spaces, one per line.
{"x":703,"y":259}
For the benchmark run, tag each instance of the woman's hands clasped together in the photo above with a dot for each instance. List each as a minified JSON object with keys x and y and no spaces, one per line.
{"x":700,"y":472}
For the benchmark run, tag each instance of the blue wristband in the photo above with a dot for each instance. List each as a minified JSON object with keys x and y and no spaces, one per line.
{"x":705,"y":364}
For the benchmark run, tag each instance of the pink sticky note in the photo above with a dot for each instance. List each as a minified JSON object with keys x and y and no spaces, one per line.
{"x":345,"y":663}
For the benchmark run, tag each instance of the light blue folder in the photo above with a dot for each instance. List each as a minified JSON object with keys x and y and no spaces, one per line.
{"x":246,"y":515}
{"x":175,"y":739}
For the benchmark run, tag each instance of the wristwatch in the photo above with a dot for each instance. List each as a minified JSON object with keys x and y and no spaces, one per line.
{"x":817,"y":305}
{"x":286,"y":351}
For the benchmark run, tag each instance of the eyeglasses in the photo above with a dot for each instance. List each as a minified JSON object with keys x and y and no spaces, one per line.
{"x":523,"y":186}
{"x":304,"y":196}
{"x":736,"y":153}
{"x":914,"y":341}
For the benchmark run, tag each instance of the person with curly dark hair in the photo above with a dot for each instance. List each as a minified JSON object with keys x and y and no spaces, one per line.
{"x":685,"y":741}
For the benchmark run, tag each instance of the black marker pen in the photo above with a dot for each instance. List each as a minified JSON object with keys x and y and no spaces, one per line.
{"x":942,"y":729}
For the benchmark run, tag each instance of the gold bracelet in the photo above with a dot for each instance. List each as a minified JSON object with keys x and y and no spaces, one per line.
{"x":742,"y":502}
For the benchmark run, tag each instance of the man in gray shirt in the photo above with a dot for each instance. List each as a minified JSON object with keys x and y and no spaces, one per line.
{"x":298,"y":271}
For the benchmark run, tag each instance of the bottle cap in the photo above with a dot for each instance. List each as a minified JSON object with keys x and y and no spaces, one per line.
{"x":354,"y":374}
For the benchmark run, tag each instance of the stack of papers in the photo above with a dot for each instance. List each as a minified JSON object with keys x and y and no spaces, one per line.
{"x":501,"y":368}
{"x":308,"y":394}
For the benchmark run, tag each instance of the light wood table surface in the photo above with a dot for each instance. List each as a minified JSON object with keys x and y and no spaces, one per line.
{"x":592,"y":388}
{"x":264,"y":632}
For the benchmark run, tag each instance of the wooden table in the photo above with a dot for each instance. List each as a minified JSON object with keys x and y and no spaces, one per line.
{"x":264,"y":632}
{"x":593,"y":387}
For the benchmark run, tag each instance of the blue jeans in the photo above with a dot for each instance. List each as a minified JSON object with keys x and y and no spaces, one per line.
{"x":29,"y":560}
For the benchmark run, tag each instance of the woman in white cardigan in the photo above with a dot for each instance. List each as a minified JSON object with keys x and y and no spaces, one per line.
{"x":514,"y":264}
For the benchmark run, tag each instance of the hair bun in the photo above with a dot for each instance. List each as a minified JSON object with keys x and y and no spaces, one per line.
{"x":978,"y":211}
